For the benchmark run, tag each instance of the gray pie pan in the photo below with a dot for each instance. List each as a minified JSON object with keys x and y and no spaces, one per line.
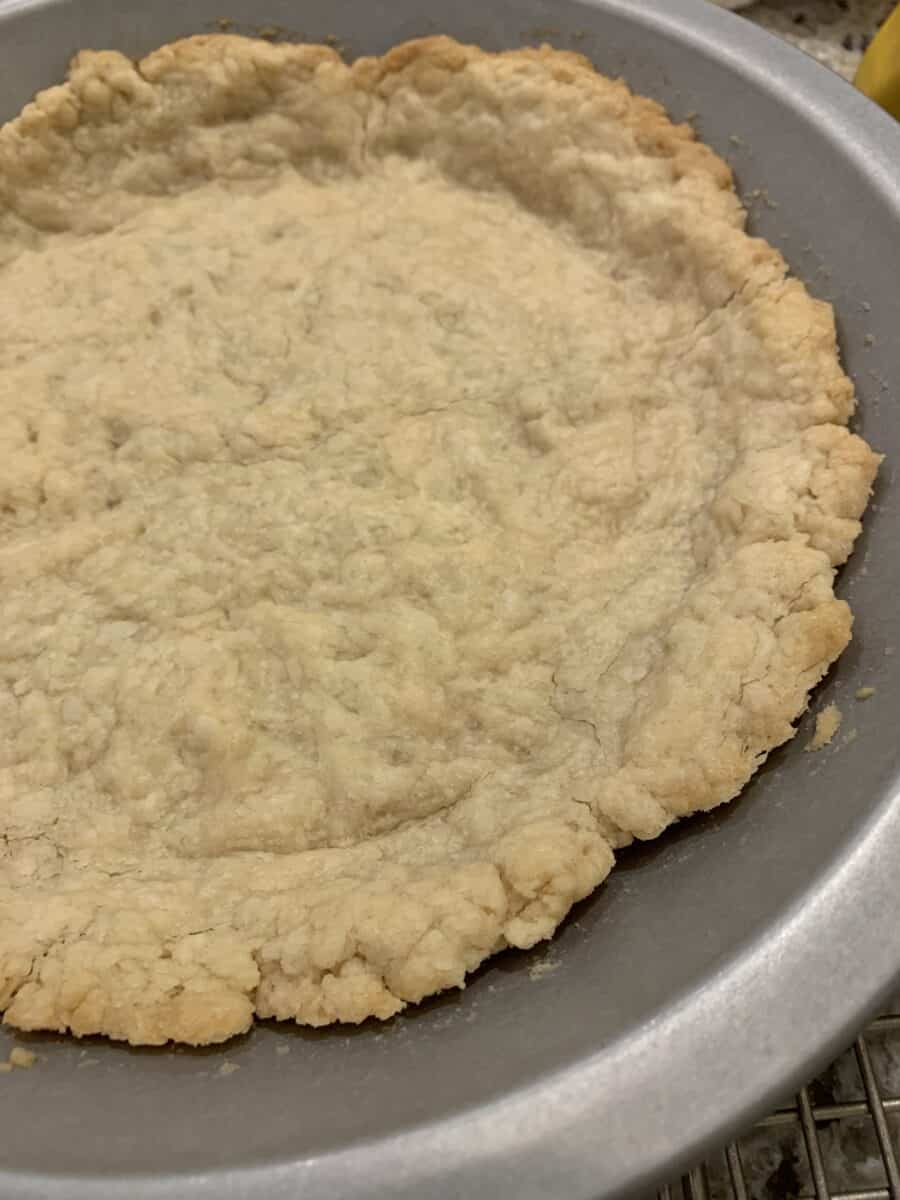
{"x":717,"y":967}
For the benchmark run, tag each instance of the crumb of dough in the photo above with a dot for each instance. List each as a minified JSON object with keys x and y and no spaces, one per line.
{"x":423,"y":488}
{"x":865,"y":693}
{"x":282,"y":1048}
{"x":850,"y":736}
{"x":828,"y":722}
{"x":5,"y":1068}
{"x":228,"y":1068}
{"x":546,"y":966}
{"x":19,"y":1056}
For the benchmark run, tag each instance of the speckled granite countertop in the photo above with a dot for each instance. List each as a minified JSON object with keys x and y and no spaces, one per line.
{"x":836,"y":32}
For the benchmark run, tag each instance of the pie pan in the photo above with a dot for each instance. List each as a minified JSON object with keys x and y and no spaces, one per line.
{"x":717,"y":967}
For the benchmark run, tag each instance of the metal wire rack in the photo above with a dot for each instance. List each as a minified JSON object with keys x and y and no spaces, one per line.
{"x":838,"y":1138}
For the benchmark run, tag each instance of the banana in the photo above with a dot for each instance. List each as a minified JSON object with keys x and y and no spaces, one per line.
{"x":879,"y":72}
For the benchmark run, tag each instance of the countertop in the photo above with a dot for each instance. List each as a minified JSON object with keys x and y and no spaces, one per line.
{"x":836,"y":32}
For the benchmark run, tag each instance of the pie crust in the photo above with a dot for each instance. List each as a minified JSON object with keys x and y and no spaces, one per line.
{"x":417,"y":485}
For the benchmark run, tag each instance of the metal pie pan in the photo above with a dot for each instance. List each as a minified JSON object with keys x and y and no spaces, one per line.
{"x":717,"y":966}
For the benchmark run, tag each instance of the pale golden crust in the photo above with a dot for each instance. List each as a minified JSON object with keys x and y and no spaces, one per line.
{"x":177,"y":855}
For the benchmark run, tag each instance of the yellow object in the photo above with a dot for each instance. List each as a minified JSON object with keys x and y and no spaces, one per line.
{"x":879,"y":72}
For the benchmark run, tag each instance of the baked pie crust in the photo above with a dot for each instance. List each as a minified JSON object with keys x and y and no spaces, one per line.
{"x":416,"y":485}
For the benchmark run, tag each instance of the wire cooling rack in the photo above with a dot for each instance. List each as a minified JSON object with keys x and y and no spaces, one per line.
{"x":838,"y":1138}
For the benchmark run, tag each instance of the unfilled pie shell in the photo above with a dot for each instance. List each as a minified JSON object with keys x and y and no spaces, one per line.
{"x":416,"y":486}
